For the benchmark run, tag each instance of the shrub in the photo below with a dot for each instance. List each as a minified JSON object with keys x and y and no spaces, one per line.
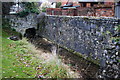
{"x":5,"y":23}
{"x":58,"y":4}
{"x":23,"y":13}
{"x":30,"y":7}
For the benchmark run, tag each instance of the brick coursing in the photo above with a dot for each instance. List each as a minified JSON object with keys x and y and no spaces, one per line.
{"x":98,"y":10}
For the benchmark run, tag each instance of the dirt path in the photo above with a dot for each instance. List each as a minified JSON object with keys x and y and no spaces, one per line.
{"x":85,"y":68}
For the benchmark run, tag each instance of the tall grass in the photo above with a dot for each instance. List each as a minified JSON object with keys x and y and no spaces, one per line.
{"x":50,"y":65}
{"x":22,"y":60}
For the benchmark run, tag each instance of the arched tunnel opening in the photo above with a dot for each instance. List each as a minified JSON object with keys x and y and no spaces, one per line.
{"x":30,"y":33}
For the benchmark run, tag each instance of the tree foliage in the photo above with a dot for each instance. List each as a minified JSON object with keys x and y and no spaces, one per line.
{"x":30,"y":7}
{"x":58,"y":4}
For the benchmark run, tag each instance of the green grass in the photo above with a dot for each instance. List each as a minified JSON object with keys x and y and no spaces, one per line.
{"x":19,"y":60}
{"x":12,"y":63}
{"x":0,"y":54}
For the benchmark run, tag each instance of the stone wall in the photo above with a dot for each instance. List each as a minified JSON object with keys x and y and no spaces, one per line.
{"x":85,"y":35}
{"x":91,"y":37}
{"x":23,"y":23}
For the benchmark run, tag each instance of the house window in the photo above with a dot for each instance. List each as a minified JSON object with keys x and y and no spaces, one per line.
{"x":84,"y":4}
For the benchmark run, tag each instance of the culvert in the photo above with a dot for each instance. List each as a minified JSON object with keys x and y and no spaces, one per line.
{"x":30,"y":33}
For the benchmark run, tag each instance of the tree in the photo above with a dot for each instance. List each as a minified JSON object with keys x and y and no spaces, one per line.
{"x":58,"y":4}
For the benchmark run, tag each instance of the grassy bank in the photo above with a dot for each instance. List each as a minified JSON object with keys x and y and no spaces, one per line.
{"x":14,"y":60}
{"x":20,"y":59}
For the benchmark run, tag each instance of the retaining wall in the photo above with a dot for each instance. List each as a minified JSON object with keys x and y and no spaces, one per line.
{"x":91,"y":37}
{"x":86,"y":35}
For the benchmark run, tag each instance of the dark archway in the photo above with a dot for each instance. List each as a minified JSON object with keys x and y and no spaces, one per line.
{"x":30,"y":33}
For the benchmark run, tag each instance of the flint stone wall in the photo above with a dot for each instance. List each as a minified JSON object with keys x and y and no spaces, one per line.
{"x":23,"y":23}
{"x":85,"y":35}
{"x":91,"y":37}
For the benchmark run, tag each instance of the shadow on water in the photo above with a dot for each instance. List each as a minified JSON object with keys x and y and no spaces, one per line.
{"x":78,"y":64}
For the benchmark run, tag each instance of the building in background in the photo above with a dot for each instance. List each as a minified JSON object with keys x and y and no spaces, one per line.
{"x":16,"y":8}
{"x":105,"y":8}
